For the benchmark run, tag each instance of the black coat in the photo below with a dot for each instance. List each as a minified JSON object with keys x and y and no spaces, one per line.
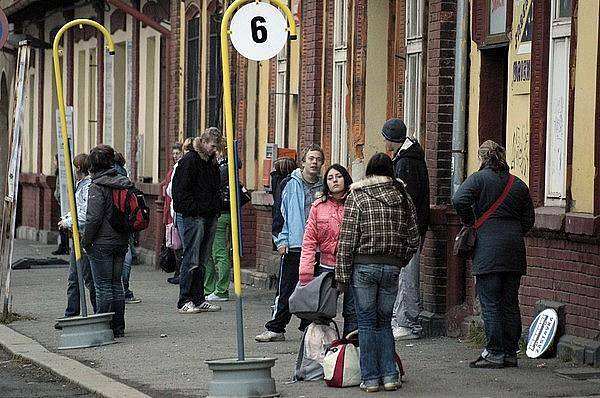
{"x":196,"y":186}
{"x":410,"y":167}
{"x":500,"y":246}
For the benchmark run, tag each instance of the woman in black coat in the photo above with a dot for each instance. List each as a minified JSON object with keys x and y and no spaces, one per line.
{"x":499,"y":258}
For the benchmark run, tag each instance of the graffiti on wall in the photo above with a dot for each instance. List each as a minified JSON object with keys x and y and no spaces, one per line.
{"x":519,"y":155}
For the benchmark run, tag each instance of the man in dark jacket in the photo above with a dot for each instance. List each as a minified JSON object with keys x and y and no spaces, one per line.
{"x":410,"y":167}
{"x":197,"y":197}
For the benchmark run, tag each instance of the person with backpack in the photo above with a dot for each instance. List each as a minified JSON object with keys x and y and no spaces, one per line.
{"x":81,"y":165}
{"x":379,"y":236}
{"x":282,"y":169}
{"x":197,"y":201}
{"x":129,"y":256}
{"x":104,"y":242}
{"x":499,"y":257}
{"x":322,"y":233}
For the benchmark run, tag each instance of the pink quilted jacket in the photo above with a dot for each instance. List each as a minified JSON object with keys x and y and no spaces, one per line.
{"x":321,"y":232}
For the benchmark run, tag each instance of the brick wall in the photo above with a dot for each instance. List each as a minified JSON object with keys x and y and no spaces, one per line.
{"x":249,"y":246}
{"x":36,"y":205}
{"x":310,"y":72}
{"x":264,"y":247}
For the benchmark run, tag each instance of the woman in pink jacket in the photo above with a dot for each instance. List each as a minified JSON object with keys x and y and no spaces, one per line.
{"x":321,"y":235}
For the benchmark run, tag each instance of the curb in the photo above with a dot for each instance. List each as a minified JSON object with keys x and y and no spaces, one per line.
{"x":70,"y":369}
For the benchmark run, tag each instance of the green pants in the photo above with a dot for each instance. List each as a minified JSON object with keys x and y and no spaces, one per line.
{"x":217,"y":272}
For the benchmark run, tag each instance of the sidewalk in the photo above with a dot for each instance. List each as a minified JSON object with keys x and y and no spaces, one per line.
{"x":173,"y":366}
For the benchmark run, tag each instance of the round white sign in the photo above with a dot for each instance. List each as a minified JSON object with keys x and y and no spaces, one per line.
{"x":541,"y":333}
{"x":258,"y":31}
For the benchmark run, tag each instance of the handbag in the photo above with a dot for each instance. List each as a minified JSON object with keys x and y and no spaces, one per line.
{"x":172,"y":237}
{"x":315,"y":301}
{"x":167,"y":260}
{"x":464,"y":243}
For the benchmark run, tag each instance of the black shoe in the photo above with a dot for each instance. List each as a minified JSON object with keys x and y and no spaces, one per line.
{"x":482,"y":363}
{"x":118,"y":334}
{"x":173,"y":280}
{"x":57,"y":326}
{"x":61,"y":251}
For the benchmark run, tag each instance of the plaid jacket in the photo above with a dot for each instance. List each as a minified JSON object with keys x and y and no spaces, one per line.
{"x":379,"y":219}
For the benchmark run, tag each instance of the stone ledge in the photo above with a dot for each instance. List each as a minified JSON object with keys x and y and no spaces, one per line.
{"x":257,"y":279}
{"x":434,"y":325}
{"x":35,"y":235}
{"x":579,"y":350}
{"x":550,"y":218}
{"x":582,"y":224}
{"x":262,"y":198}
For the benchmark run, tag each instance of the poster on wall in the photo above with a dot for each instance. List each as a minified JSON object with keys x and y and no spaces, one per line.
{"x":62,"y":173}
{"x":521,"y":62}
{"x":108,"y":99}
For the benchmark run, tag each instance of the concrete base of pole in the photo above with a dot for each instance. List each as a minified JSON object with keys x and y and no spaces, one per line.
{"x":90,"y":331}
{"x":250,"y":378}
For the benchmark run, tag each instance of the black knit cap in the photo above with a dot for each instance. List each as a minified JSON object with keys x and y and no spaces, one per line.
{"x":394,"y":130}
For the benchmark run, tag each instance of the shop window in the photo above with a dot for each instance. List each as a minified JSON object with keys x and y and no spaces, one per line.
{"x":558,"y":103}
{"x":414,"y":65}
{"x":192,"y":104}
{"x":339,"y":126}
{"x":215,"y":81}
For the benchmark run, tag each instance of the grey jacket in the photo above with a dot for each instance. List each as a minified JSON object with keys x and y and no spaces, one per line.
{"x":98,"y":230}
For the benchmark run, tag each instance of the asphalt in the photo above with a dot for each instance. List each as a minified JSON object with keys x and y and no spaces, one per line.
{"x":163,"y":352}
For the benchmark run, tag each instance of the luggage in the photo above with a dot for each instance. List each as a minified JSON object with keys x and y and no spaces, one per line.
{"x":315,"y":301}
{"x":316,"y":339}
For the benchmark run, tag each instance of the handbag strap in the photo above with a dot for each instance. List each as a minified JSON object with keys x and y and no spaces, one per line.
{"x":497,"y":203}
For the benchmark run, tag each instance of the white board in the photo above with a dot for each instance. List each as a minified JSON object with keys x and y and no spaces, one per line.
{"x":62,"y":174}
{"x":541,"y":333}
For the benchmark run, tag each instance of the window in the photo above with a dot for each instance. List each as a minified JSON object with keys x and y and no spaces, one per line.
{"x":280,"y":98}
{"x":558,"y":103}
{"x":192,"y":77}
{"x":215,"y":81}
{"x":339,"y":126}
{"x":414,"y":66}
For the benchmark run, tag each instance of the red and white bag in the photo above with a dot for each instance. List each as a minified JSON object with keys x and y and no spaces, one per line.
{"x":341,"y":365}
{"x":172,"y":238}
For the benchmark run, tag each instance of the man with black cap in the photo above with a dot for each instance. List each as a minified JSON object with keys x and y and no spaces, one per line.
{"x":410,"y":167}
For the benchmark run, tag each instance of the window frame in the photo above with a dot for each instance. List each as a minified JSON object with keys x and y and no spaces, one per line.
{"x":339,"y":92}
{"x":191,"y":131}
{"x":414,"y":48}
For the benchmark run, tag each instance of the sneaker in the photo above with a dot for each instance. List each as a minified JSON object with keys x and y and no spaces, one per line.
{"x":132,"y":300}
{"x":268,"y":336}
{"x":189,"y":308}
{"x":173,"y":280}
{"x":402,"y":333}
{"x":366,"y":388}
{"x":393,"y":386}
{"x":214,"y":297}
{"x":208,"y":307}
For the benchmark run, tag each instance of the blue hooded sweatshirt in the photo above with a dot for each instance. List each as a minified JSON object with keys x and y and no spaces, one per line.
{"x":296,"y":200}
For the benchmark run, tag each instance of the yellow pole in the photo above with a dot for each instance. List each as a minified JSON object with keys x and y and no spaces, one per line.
{"x":63,"y":121}
{"x":229,"y":133}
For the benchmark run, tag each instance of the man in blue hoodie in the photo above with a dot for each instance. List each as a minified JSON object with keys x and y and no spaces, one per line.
{"x":296,"y":199}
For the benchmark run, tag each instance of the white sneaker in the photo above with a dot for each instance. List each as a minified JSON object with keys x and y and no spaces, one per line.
{"x":189,"y":308}
{"x":208,"y":307}
{"x":402,"y":333}
{"x":214,"y":297}
{"x":268,"y":336}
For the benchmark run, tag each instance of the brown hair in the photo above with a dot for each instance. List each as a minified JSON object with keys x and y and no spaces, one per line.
{"x":120,"y":159}
{"x":82,"y":162}
{"x":284,"y":166}
{"x":101,"y":158}
{"x":177,"y":146}
{"x":312,"y":147}
{"x":187,"y":144}
{"x":212,"y":134}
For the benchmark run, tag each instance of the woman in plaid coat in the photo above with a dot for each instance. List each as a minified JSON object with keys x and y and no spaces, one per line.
{"x":379,"y":235}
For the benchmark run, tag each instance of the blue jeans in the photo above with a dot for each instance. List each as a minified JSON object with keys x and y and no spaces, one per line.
{"x":127,"y":269}
{"x":73,"y":294}
{"x":198,"y":235}
{"x":106,"y":262}
{"x":375,"y":287}
{"x":499,"y":297}
{"x":348,"y":309}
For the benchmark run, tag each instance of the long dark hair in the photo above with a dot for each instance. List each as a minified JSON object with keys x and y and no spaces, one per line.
{"x":345,"y":175}
{"x":381,"y":164}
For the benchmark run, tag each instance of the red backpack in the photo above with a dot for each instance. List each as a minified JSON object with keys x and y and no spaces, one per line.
{"x":129,"y":210}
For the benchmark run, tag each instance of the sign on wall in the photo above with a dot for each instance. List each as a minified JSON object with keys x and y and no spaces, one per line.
{"x":108,"y":99}
{"x":521,"y":62}
{"x":62,"y":173}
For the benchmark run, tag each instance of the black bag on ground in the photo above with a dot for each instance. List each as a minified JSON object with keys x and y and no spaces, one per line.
{"x":168,"y":262}
{"x":317,"y":300}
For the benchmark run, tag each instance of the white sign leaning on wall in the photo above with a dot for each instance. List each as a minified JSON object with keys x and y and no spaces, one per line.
{"x":62,"y":173}
{"x":258,"y":31}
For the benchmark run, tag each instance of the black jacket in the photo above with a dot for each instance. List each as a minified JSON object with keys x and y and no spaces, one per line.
{"x":196,"y":185}
{"x":500,"y":246}
{"x":98,"y":230}
{"x":278,"y":185}
{"x":410,"y":167}
{"x":224,"y":186}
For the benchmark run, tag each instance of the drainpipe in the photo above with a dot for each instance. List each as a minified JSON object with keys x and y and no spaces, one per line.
{"x":460,"y":94}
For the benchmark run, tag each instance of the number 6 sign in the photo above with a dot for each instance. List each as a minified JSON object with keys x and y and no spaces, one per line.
{"x":258,"y":31}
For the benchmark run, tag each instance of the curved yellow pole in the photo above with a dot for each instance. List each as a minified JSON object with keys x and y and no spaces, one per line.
{"x":63,"y":118}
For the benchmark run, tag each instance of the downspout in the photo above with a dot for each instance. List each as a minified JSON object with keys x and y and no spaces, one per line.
{"x":460,"y":94}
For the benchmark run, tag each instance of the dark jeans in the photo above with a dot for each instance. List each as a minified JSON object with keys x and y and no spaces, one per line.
{"x":348,"y":309}
{"x":198,"y":236}
{"x":375,"y":287}
{"x":288,"y":279}
{"x":499,"y":297}
{"x":106,"y":262}
{"x":127,"y":268}
{"x":73,"y":297}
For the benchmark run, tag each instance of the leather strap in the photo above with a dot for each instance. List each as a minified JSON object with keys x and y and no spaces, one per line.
{"x":497,"y":203}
